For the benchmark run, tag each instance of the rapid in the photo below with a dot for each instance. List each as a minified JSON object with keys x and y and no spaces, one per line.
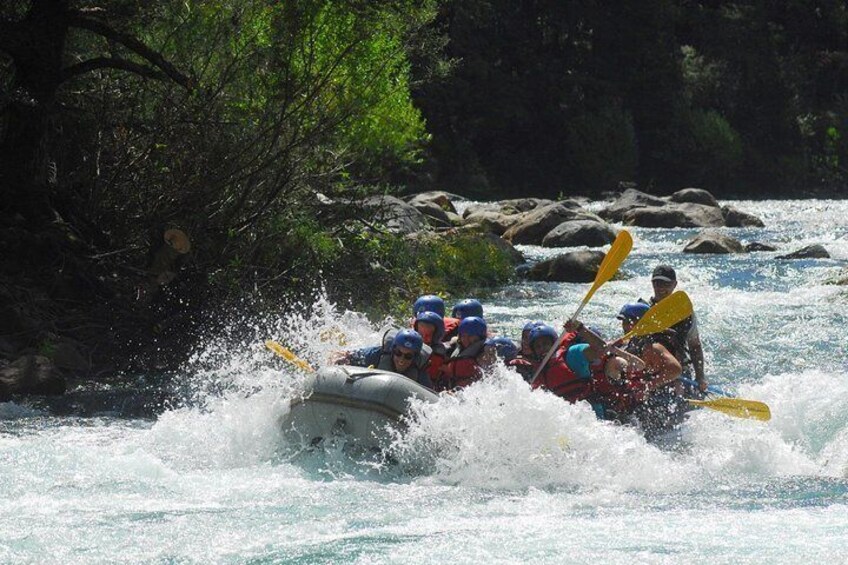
{"x":496,"y":473}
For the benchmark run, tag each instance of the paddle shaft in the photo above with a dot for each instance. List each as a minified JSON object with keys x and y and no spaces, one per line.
{"x":288,"y":355}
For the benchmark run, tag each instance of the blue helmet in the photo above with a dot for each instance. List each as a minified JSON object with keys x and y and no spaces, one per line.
{"x":409,"y":339}
{"x":633,"y":311}
{"x":542,"y":331}
{"x":429,"y":303}
{"x":466,"y":308}
{"x":506,"y":348}
{"x":431,"y":318}
{"x":472,"y":325}
{"x":530,"y":325}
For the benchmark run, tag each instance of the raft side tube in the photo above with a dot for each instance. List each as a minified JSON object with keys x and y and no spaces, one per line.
{"x":354,"y":402}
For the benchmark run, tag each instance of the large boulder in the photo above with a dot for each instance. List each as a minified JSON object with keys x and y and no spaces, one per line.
{"x":435,"y":214}
{"x":477,"y":207}
{"x":515,"y":255}
{"x":535,"y":225}
{"x":735,"y":218}
{"x":630,"y":199}
{"x":694,"y":196}
{"x":809,"y":252}
{"x":713,"y":242}
{"x":32,"y":374}
{"x":398,"y":216}
{"x":492,"y":221}
{"x":577,"y":266}
{"x":580,"y":232}
{"x":443,"y":200}
{"x":684,"y":215}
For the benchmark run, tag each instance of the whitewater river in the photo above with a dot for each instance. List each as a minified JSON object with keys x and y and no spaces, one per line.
{"x":494,"y":474}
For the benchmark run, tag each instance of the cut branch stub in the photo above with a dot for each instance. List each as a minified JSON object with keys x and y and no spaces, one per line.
{"x":177,"y":240}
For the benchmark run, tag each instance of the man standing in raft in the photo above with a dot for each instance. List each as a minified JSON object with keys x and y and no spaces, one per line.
{"x":686,"y":341}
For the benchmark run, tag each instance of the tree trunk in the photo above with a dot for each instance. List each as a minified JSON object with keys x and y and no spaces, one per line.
{"x":36,"y":45}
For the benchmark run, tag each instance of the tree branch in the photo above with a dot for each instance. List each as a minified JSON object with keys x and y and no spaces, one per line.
{"x":77,"y":20}
{"x":112,"y":63}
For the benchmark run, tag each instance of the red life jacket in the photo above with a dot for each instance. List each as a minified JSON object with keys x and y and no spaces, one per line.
{"x":461,"y":368}
{"x":560,"y":380}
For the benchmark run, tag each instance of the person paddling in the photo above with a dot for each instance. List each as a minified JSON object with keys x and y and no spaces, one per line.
{"x":686,"y":344}
{"x":654,"y":392}
{"x":567,"y":373}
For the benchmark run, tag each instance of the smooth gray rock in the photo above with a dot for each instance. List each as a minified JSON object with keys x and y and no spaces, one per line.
{"x":577,"y":266}
{"x":515,"y":255}
{"x":735,"y":218}
{"x":482,"y":207}
{"x":398,"y":216}
{"x":492,"y":221}
{"x":443,"y":200}
{"x":809,"y":252}
{"x":525,"y":204}
{"x":629,"y":200}
{"x":580,"y":232}
{"x":535,"y":225}
{"x":694,"y":196}
{"x":684,"y":215}
{"x":757,"y":246}
{"x":434,"y":213}
{"x":713,"y":242}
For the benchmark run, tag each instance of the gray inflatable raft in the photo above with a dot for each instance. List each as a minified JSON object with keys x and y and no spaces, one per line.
{"x":356,"y":403}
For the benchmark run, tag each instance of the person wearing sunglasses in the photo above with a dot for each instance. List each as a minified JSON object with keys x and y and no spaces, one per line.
{"x":403,"y":352}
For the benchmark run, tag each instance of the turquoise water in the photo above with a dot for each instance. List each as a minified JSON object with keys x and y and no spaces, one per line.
{"x":496,"y":473}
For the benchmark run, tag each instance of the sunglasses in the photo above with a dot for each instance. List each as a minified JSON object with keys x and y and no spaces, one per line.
{"x":399,"y":353}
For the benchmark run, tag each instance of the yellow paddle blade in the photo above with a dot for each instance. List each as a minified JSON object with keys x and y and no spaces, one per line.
{"x":618,"y":252}
{"x":286,"y":354}
{"x":736,"y":407}
{"x":662,"y":315}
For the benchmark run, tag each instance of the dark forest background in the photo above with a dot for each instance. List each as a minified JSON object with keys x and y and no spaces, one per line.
{"x":746,"y":99}
{"x":257,"y":128}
